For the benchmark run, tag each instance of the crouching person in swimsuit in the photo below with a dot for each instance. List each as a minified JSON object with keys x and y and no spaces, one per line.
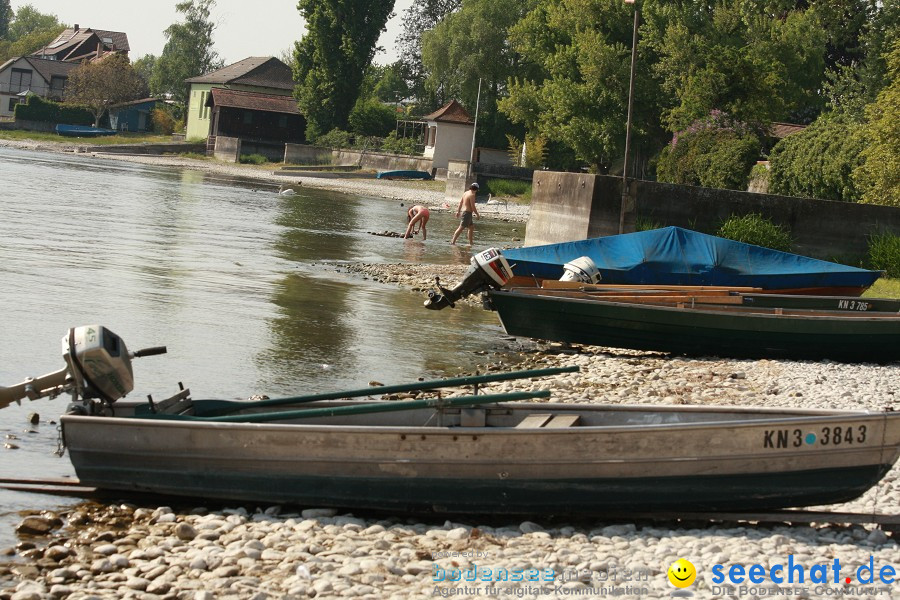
{"x":417,"y":215}
{"x":465,"y":210}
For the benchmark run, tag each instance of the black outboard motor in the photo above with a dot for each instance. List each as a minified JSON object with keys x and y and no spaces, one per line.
{"x":489,"y":270}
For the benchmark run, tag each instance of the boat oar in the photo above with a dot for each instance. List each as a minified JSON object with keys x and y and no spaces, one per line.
{"x":224,"y":407}
{"x":359,"y":409}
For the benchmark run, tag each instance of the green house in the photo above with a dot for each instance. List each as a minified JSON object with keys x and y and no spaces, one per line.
{"x":259,"y":74}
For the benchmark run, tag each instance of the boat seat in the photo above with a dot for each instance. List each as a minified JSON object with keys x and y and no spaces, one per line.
{"x":548,"y":421}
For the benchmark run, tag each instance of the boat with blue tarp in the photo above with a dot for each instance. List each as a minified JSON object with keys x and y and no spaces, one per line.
{"x":677,"y":256}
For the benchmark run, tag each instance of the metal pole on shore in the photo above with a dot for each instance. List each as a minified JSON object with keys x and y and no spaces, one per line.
{"x":474,"y":130}
{"x":627,"y":202}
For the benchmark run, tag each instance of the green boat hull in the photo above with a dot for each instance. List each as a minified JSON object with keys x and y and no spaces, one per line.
{"x":719,"y":332}
{"x":749,"y":491}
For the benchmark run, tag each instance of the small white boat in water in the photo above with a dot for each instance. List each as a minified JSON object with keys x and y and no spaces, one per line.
{"x":486,"y":454}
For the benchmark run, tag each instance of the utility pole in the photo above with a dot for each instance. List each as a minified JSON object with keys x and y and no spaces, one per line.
{"x":628,"y":202}
{"x":474,"y":130}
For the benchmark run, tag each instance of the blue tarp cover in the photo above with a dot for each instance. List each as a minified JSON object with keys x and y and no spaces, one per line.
{"x":676,"y":256}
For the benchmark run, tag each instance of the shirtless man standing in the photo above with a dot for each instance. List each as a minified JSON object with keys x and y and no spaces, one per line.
{"x":417,"y":215}
{"x":467,"y":208}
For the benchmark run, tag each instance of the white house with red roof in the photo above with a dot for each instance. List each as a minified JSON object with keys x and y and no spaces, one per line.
{"x":448,"y":135}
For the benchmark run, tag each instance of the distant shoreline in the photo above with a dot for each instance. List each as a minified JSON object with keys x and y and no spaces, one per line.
{"x":393,"y":190}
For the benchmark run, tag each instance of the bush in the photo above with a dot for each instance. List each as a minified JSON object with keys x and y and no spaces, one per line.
{"x":756,"y":229}
{"x":47,"y":111}
{"x":715,"y":152}
{"x":818,"y":162}
{"x":884,"y":253}
{"x":371,"y":117}
{"x":253,"y":159}
{"x":162,"y":120}
{"x":397,"y":145}
{"x":335,"y":138}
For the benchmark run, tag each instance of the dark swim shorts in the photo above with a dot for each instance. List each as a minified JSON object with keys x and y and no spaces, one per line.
{"x":466,"y":220}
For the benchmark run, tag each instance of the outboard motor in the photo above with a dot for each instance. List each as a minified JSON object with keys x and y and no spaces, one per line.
{"x":581,"y":269}
{"x":98,"y":371}
{"x":489,"y":269}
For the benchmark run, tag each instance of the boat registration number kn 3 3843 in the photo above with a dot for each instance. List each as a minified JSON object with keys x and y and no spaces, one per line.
{"x":836,"y":435}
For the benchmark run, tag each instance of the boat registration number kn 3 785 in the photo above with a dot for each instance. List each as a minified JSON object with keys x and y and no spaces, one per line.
{"x":826,"y":436}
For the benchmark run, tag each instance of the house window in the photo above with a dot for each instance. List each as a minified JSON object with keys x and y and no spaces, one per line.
{"x":248,"y":117}
{"x":204,"y":110}
{"x":12,"y":104}
{"x":20,"y":80}
{"x":57,"y":86}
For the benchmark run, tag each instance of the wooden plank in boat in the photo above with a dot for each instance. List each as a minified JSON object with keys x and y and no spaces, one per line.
{"x":562,"y":421}
{"x":534,"y":421}
{"x":554,"y":284}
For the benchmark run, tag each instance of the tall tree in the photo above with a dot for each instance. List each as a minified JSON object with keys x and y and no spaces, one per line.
{"x":144,"y":68}
{"x":421,"y":16}
{"x":471,"y":45}
{"x":100,"y":84}
{"x":28,"y":31}
{"x":579,"y":97}
{"x":331,"y":59}
{"x":188,"y":51}
{"x":879,"y":175}
{"x":6,"y":15}
{"x":29,"y":20}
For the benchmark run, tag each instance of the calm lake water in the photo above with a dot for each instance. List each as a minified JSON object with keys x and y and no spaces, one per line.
{"x":243,"y":286}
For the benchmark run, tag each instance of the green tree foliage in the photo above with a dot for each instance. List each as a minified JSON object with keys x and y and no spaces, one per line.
{"x":757,"y":230}
{"x":818,"y":162}
{"x":422,"y":15}
{"x":29,"y":20}
{"x":530,"y":152}
{"x":371,"y":117}
{"x":99,"y":85}
{"x":399,"y":145}
{"x":188,"y":51}
{"x":735,"y":57}
{"x":715,"y":152}
{"x":469,"y":45}
{"x":144,"y":68}
{"x":331,"y":59}
{"x":28,"y":31}
{"x":6,"y":15}
{"x":879,"y":174}
{"x":577,"y":93}
{"x":47,"y":111}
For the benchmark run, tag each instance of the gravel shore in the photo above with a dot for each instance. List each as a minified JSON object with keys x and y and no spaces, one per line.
{"x":258,"y":553}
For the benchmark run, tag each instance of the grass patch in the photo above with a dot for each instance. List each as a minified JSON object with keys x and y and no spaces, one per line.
{"x":884,"y":253}
{"x":253,"y":159}
{"x":758,"y":230}
{"x":515,"y":189}
{"x":106,"y":140}
{"x":884,"y":288}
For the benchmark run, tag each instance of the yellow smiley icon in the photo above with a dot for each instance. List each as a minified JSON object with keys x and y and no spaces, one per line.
{"x":682,"y":573}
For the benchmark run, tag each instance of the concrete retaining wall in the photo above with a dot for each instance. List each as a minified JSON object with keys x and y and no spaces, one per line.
{"x":458,"y":181}
{"x":571,"y":206}
{"x":302,"y":154}
{"x":228,"y":149}
{"x":173,"y":148}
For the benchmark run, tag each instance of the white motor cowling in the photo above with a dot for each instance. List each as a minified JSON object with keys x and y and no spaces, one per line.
{"x":98,"y":362}
{"x":489,"y":269}
{"x":581,"y":269}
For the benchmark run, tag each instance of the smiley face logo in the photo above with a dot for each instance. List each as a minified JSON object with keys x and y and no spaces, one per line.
{"x":682,"y":573}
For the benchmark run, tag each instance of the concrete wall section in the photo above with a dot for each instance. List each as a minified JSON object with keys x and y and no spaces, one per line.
{"x":302,"y":154}
{"x":458,"y":181}
{"x":573,"y":206}
{"x":228,"y":149}
{"x":561,"y":206}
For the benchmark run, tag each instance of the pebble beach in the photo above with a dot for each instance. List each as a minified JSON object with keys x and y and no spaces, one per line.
{"x":131,"y":549}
